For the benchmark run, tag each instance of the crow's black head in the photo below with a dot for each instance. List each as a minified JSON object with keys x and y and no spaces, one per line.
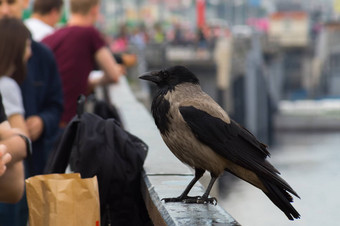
{"x":170,"y":77}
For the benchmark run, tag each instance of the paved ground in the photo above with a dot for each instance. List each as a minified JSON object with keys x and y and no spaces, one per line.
{"x":310,"y":162}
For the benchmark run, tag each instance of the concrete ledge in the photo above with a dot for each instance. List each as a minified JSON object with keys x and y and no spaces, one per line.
{"x":162,"y":186}
{"x":164,"y":176}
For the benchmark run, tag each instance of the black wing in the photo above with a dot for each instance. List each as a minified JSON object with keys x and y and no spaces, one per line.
{"x":229,"y":140}
{"x":238,"y":145}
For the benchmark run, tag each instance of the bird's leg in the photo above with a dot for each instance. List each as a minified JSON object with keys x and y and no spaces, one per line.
{"x":184,"y":196}
{"x":205,"y":198}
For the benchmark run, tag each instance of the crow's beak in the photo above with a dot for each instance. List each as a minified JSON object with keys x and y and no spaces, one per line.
{"x":152,"y":76}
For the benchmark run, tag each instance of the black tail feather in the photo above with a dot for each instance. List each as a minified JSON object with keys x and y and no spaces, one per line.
{"x":281,"y":198}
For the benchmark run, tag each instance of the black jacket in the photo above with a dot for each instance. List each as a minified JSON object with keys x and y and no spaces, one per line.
{"x":95,"y":146}
{"x":42,"y":96}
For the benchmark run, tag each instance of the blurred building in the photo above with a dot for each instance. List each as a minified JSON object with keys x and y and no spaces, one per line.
{"x":180,"y":11}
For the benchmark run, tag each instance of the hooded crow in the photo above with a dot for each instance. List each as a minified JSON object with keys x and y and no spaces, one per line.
{"x":201,"y":134}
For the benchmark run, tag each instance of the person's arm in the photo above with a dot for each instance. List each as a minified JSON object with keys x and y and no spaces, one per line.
{"x":12,"y":152}
{"x":12,"y":183}
{"x":108,"y":64}
{"x":16,"y":145}
{"x":11,"y":172}
{"x":35,"y":127}
{"x":18,"y":121}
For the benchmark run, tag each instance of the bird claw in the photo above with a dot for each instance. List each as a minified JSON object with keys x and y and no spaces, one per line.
{"x":204,"y":200}
{"x":196,"y":199}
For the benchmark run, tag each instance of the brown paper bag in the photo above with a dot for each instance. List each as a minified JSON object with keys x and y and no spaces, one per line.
{"x":63,"y":200}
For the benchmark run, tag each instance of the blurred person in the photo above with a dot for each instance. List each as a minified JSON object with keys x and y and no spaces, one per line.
{"x":42,"y":99}
{"x":158,"y":35}
{"x":15,"y":50}
{"x":5,"y":157}
{"x":138,"y":39}
{"x":12,"y":152}
{"x":223,"y":59}
{"x":78,"y":47}
{"x":201,"y":44}
{"x":14,"y":141}
{"x":46,"y":14}
{"x":178,"y":38}
{"x":121,"y":41}
{"x":202,"y":41}
{"x":41,"y":91}
{"x":14,"y":147}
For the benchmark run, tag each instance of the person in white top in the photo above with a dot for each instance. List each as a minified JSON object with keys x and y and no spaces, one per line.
{"x":15,"y":50}
{"x":46,"y":14}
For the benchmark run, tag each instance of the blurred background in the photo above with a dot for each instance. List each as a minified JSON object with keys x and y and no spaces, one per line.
{"x":274,"y":65}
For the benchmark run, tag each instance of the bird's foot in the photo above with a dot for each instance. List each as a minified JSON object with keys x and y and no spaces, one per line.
{"x":201,"y":200}
{"x":195,"y":199}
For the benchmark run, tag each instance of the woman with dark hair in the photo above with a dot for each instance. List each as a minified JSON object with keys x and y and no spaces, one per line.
{"x":14,"y":53}
{"x":15,"y":50}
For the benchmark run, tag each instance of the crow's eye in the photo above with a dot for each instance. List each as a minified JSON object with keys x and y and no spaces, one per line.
{"x":165,"y":74}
